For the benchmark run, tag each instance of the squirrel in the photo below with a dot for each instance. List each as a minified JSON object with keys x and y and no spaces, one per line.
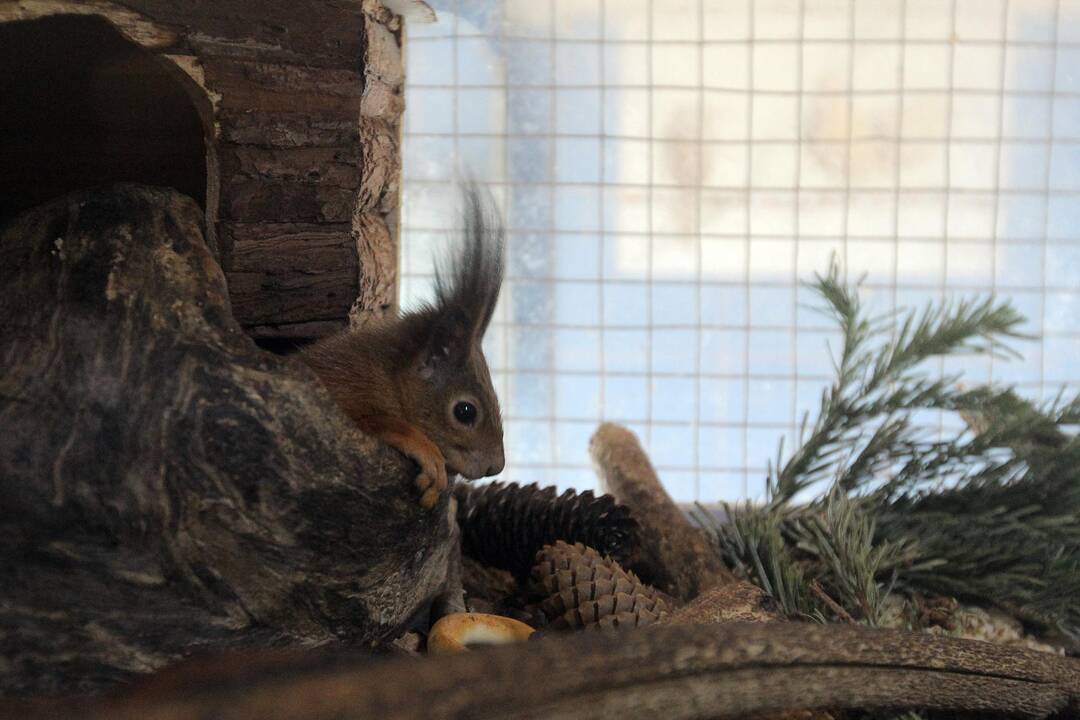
{"x":419,"y":381}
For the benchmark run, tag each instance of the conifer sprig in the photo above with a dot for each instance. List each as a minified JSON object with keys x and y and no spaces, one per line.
{"x":990,"y":515}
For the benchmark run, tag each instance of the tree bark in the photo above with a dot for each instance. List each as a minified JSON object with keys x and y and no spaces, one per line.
{"x":168,"y":487}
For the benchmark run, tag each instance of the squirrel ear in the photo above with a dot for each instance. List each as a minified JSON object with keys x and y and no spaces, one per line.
{"x":448,"y":340}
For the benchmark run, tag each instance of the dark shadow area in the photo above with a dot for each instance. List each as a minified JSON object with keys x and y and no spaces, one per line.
{"x":83,"y":106}
{"x":283,"y":346}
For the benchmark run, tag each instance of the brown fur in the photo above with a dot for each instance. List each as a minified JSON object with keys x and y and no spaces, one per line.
{"x":401,"y":378}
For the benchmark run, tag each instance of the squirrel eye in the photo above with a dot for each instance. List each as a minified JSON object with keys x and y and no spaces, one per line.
{"x":465,"y":412}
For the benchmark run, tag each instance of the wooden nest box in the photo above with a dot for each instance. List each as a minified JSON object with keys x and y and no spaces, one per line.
{"x":280,"y":119}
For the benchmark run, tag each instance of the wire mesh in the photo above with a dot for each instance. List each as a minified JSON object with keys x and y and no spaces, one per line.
{"x":671,"y":170}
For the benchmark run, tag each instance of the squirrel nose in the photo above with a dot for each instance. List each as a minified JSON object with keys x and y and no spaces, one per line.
{"x":496,"y":467}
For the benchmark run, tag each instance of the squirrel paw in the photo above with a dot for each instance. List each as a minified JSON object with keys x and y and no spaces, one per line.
{"x":432,"y":480}
{"x":415,"y":445}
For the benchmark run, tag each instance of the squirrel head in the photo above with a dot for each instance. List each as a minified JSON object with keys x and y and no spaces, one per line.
{"x":452,"y":396}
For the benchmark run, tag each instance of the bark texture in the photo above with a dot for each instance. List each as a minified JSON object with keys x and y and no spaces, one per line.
{"x":166,"y":485}
{"x":717,"y":671}
{"x":300,"y":105}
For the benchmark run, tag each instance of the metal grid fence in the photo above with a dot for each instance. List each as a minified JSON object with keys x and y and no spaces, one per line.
{"x":671,"y":170}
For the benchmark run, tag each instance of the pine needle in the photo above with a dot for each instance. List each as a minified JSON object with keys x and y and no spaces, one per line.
{"x":991,"y":515}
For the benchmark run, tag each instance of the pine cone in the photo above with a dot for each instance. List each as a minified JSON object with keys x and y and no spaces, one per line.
{"x":505,"y":525}
{"x":582,"y":589}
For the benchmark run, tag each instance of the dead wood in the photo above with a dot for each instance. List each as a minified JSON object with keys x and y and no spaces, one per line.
{"x":166,"y":486}
{"x":717,"y":671}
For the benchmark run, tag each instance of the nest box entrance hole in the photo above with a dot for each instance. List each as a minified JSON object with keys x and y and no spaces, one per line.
{"x":83,"y":105}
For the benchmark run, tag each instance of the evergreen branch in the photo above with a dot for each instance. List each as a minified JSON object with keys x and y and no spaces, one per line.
{"x":751,"y":543}
{"x":967,"y":326}
{"x":853,"y":561}
{"x":991,"y":515}
{"x":860,"y":393}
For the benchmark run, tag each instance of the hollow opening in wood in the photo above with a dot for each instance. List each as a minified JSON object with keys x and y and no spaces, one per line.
{"x":83,"y":106}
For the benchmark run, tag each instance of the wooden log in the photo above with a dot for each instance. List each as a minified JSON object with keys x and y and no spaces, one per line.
{"x":717,"y":671}
{"x":168,"y":487}
{"x":675,"y":556}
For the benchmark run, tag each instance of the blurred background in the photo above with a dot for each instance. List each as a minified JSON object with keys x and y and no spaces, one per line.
{"x":671,"y":171}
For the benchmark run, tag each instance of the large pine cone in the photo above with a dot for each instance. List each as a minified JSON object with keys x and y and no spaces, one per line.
{"x":582,"y":589}
{"x":505,"y":525}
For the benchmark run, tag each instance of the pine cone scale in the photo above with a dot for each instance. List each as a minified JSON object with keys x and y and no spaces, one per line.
{"x":579,"y":588}
{"x":504,"y":526}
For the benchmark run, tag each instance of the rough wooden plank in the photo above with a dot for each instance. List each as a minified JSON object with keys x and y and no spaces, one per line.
{"x":377,"y":254}
{"x":210,"y":46}
{"x":150,"y":35}
{"x":317,"y":33}
{"x":260,"y":299}
{"x":330,"y":166}
{"x":382,"y":56}
{"x":259,"y":200}
{"x":299,"y":128}
{"x":380,"y":168}
{"x":287,"y":247}
{"x":290,"y":273}
{"x":382,"y":101}
{"x":276,"y":87}
{"x":377,"y":221}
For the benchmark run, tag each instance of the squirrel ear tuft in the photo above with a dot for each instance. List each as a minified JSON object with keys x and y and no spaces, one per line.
{"x":470,"y":286}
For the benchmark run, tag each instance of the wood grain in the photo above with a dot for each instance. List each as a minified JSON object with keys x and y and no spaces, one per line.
{"x":715,"y":671}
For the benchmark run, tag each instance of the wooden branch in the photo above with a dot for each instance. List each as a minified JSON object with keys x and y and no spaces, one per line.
{"x":676,"y":556}
{"x":728,"y":601}
{"x":718,"y":671}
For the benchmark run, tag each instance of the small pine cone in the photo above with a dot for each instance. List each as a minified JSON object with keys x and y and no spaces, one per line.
{"x":505,"y":525}
{"x":582,"y":589}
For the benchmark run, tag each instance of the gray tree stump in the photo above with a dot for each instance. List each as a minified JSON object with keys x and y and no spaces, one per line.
{"x":166,"y":486}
